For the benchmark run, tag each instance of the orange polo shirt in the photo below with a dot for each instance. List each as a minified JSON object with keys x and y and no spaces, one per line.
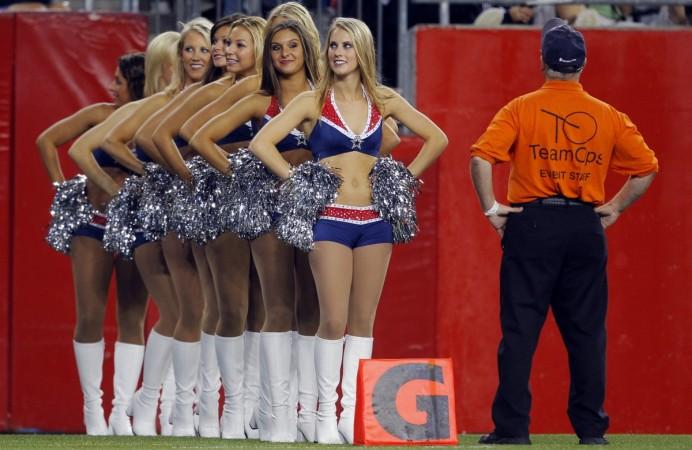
{"x":562,"y":141}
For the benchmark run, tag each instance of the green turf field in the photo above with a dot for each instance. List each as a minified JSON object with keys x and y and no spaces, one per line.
{"x":546,"y":441}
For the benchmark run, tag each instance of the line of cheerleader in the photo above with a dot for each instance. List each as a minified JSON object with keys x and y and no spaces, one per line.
{"x":241,"y":177}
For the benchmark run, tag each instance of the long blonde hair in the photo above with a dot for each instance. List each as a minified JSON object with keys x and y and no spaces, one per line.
{"x":364,"y":45}
{"x":160,"y":51}
{"x":255,"y":26}
{"x":198,"y":25}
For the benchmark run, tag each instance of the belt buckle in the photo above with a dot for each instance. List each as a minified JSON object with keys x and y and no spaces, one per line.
{"x":554,"y":201}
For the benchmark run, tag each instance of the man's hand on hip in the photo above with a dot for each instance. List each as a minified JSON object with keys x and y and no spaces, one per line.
{"x":499,"y":219}
{"x":608,"y":213}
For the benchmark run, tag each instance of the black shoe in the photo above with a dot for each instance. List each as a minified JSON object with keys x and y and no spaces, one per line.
{"x":593,"y":441}
{"x":494,"y":439}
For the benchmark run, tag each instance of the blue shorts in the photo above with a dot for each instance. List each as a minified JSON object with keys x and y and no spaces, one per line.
{"x":352,"y":226}
{"x":97,"y":227}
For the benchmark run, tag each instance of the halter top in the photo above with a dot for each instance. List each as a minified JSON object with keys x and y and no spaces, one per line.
{"x":141,"y":155}
{"x":243,"y":133}
{"x":294,"y":140}
{"x":331,"y":135}
{"x":103,"y":159}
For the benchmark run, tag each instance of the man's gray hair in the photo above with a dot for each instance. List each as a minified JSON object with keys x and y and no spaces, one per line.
{"x":555,"y":75}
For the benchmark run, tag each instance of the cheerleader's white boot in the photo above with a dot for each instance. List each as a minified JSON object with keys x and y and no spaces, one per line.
{"x":251,"y":382}
{"x":307,"y":388}
{"x":230,"y":353}
{"x":157,"y":362}
{"x":293,"y":388}
{"x":328,"y":355}
{"x":277,"y":347}
{"x":355,"y":349}
{"x":263,"y":412}
{"x":167,"y":402}
{"x":186,"y":356}
{"x":128,"y":365}
{"x":89,"y":357}
{"x":210,"y":383}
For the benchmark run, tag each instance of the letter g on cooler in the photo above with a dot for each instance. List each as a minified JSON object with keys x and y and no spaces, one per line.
{"x":405,"y":402}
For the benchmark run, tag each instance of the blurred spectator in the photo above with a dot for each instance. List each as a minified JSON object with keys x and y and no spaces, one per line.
{"x":518,"y":14}
{"x":660,"y":16}
{"x":608,"y":15}
{"x":493,"y":16}
{"x":36,"y":5}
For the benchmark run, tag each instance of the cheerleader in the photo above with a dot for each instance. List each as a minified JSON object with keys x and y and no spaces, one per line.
{"x":92,"y":266}
{"x":289,"y":68}
{"x":192,"y":56}
{"x":286,"y":11}
{"x":238,"y":39}
{"x":228,"y":256}
{"x":352,"y":242}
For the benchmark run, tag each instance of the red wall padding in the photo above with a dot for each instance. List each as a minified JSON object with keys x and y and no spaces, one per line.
{"x":64,"y":61}
{"x":7,"y":50}
{"x":646,"y":74}
{"x":406,"y":317}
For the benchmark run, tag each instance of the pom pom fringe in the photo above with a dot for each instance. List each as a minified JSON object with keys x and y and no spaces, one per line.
{"x":394,"y":192}
{"x":302,"y":198}
{"x":69,"y":210}
{"x":254,"y":196}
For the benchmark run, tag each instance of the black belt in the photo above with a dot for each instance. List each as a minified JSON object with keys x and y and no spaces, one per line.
{"x":556,"y":201}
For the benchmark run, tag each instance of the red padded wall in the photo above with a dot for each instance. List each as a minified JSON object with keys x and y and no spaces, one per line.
{"x":643,"y":73}
{"x":406,"y":318}
{"x":64,"y":61}
{"x":6,"y":98}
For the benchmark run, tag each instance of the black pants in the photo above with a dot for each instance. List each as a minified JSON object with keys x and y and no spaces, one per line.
{"x":553,"y":256}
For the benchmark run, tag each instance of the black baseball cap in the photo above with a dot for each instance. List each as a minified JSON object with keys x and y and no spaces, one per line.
{"x":563,"y":48}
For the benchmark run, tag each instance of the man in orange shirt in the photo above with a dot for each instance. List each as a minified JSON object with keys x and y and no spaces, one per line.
{"x":560,"y":143}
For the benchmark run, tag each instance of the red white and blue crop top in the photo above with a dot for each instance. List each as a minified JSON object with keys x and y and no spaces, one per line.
{"x":241,"y":134}
{"x":103,"y":159}
{"x":294,"y":140}
{"x":332,"y":136}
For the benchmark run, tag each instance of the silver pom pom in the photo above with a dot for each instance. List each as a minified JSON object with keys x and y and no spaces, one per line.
{"x":180,"y":219}
{"x":119,"y":236}
{"x":254,"y":191}
{"x":210,"y":195}
{"x":302,"y":198}
{"x":69,"y":210}
{"x":153,"y":214}
{"x":198,"y":208}
{"x":394,"y":192}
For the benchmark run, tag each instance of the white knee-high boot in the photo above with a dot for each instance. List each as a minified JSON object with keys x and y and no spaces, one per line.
{"x":157,"y":361}
{"x":230,"y":352}
{"x":263,"y":412}
{"x":307,"y":387}
{"x":277,"y":346}
{"x":328,"y":355}
{"x":167,"y":401}
{"x":251,"y":381}
{"x":89,"y":357}
{"x":355,"y":349}
{"x":128,"y":365}
{"x":186,"y":357}
{"x":210,"y":383}
{"x":293,"y":387}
